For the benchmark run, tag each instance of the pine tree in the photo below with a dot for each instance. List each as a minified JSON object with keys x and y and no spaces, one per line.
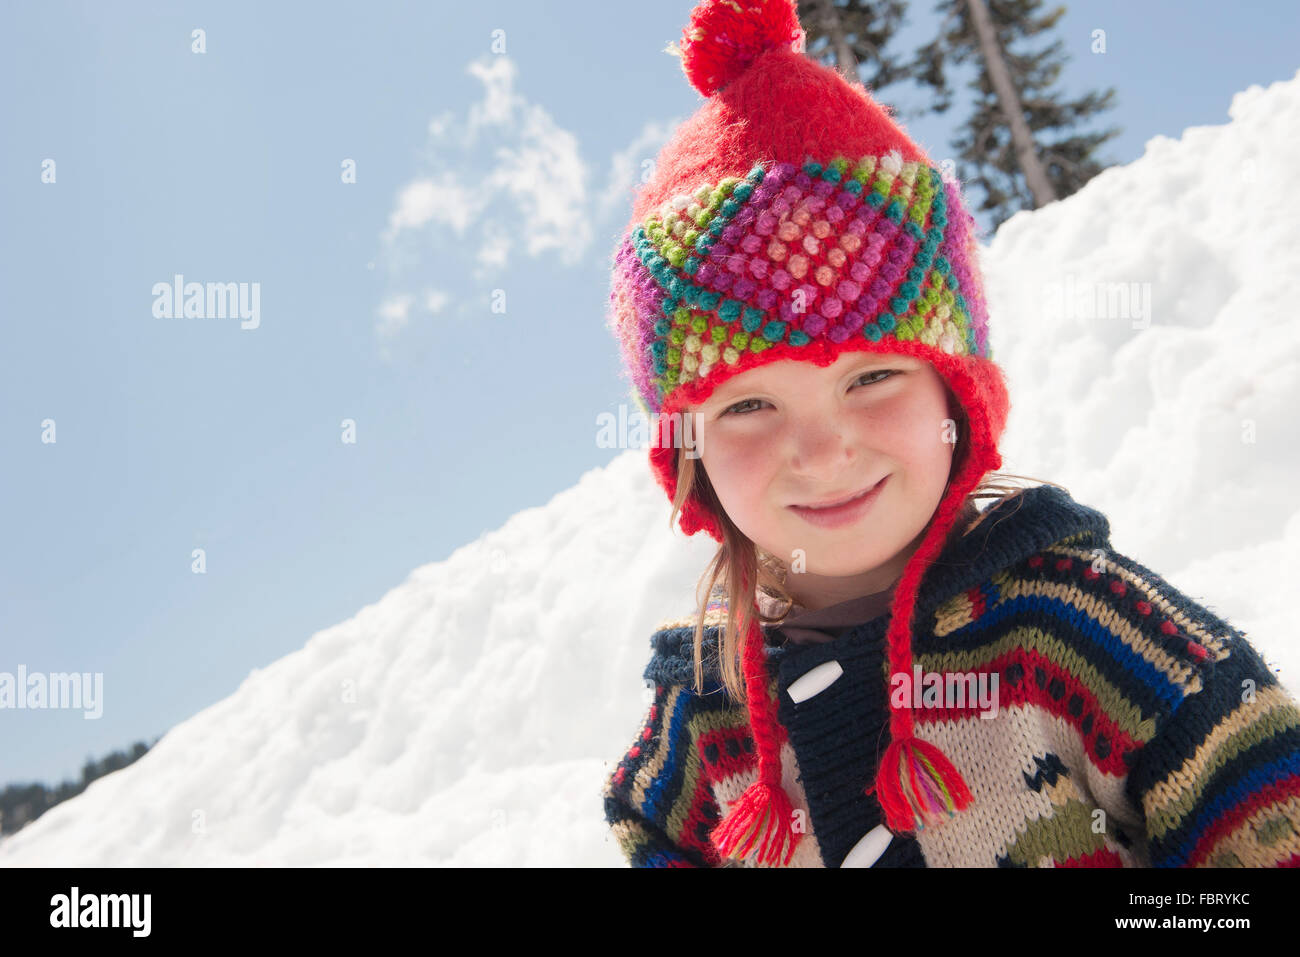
{"x":20,"y":804}
{"x":1007,"y":147}
{"x":851,"y":35}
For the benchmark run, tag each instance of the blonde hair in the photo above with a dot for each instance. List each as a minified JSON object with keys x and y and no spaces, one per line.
{"x":743,"y":567}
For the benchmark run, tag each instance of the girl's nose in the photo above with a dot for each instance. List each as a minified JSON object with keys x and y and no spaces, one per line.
{"x":821,"y":447}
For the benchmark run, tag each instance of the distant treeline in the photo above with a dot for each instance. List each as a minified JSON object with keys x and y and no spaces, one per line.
{"x":23,"y":803}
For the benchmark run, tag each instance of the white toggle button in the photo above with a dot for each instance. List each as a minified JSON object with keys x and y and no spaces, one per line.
{"x":867,"y":851}
{"x":815,"y":681}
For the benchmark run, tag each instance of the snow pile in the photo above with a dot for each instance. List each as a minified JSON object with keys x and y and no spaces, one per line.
{"x":470,"y":716}
{"x":1148,"y":330}
{"x":466,"y":718}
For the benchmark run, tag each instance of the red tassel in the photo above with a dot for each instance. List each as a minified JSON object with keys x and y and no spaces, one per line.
{"x":758,"y":827}
{"x":916,"y":784}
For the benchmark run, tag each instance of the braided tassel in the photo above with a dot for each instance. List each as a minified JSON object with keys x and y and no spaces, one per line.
{"x":760,"y":822}
{"x":916,"y":784}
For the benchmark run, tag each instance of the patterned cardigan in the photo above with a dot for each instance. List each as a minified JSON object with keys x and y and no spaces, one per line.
{"x":1134,"y":727}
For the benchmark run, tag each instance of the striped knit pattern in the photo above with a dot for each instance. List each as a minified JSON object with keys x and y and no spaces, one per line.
{"x":716,"y":768}
{"x":1134,"y":728}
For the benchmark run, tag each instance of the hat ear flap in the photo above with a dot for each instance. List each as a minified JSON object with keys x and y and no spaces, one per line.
{"x":697,"y":512}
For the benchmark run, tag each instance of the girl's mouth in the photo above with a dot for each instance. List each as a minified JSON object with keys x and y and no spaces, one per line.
{"x":845,"y":513}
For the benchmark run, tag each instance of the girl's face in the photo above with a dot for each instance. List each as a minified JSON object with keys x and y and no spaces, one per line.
{"x":792,"y":433}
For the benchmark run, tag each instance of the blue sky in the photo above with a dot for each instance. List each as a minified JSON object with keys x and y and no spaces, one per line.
{"x":478,"y":175}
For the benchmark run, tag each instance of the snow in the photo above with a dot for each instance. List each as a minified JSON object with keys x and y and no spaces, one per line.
{"x":470,"y":716}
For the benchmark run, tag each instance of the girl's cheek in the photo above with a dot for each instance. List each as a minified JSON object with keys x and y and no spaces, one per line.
{"x":750,"y":454}
{"x":898,"y":428}
{"x":739,"y":460}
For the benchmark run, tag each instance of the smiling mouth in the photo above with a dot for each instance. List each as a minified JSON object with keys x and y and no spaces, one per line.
{"x":838,"y":502}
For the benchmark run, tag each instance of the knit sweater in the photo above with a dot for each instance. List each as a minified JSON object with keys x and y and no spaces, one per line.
{"x":1133,"y":727}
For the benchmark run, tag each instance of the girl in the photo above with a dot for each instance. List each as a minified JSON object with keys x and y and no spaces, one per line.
{"x":884,"y":674}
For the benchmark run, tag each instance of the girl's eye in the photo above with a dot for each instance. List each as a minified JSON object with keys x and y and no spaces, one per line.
{"x":884,"y":372}
{"x":731,"y":410}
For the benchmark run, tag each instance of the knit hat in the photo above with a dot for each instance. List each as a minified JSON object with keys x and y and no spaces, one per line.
{"x":791,"y":218}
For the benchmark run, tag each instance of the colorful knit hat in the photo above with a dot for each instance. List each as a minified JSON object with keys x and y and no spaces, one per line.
{"x":792,"y":218}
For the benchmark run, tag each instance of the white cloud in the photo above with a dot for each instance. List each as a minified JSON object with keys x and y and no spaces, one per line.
{"x":533,"y":184}
{"x":505,"y":177}
{"x":494,"y":250}
{"x":630,"y":167}
{"x":434,"y":300}
{"x":440,"y":124}
{"x":394,"y":313}
{"x":547,"y":179}
{"x":499,"y":102}
{"x":442,"y":201}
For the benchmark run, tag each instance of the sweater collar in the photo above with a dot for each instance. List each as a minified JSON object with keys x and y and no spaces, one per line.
{"x":1010,"y":532}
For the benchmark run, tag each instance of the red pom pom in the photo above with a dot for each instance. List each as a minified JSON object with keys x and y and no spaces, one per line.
{"x":725,"y":36}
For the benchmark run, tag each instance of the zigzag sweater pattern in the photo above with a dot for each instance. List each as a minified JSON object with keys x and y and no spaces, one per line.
{"x":1134,"y":727}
